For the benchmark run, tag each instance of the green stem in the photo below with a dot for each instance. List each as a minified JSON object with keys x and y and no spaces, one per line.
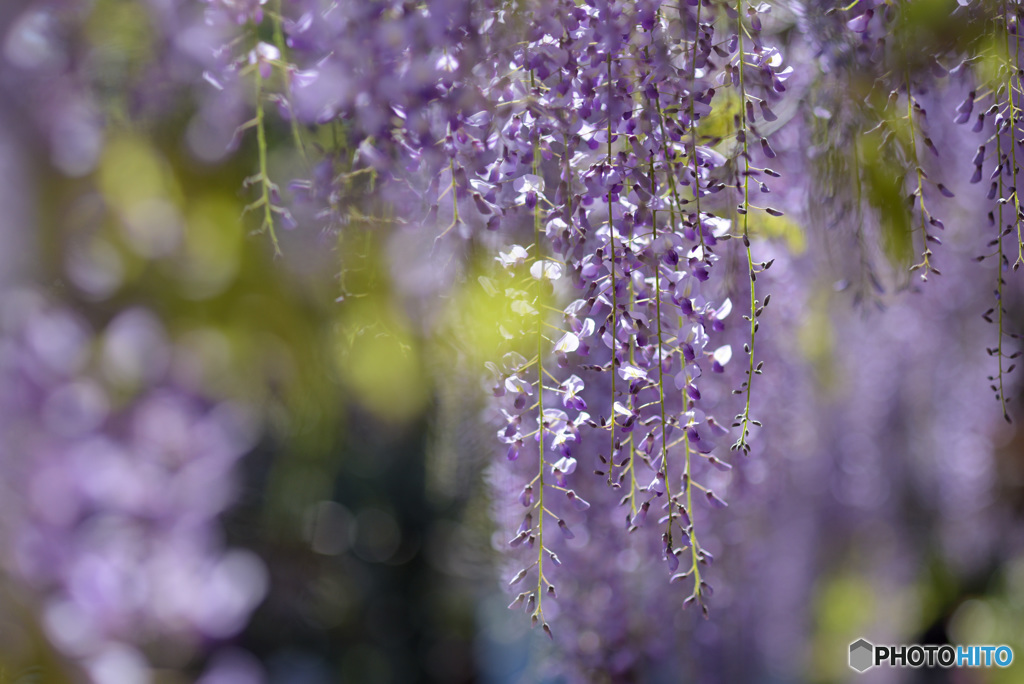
{"x":538,"y":614}
{"x":611,"y":261}
{"x":279,"y":41}
{"x":745,"y":420}
{"x":261,"y":143}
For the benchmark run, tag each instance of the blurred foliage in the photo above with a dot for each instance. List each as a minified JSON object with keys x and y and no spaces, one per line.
{"x":719,"y":124}
{"x":845,"y":606}
{"x":121,"y":35}
{"x":883,"y":188}
{"x":781,"y":228}
{"x":995,"y":617}
{"x":377,"y":354}
{"x":929,"y":27}
{"x":816,"y":341}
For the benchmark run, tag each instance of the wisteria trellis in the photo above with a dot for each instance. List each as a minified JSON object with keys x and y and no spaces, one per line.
{"x":627,"y":166}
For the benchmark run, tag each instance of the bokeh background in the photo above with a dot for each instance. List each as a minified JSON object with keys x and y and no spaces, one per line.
{"x":889,"y":505}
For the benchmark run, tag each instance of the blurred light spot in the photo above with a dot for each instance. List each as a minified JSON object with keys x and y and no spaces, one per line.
{"x":845,"y":605}
{"x":95,"y":268}
{"x":1014,"y":572}
{"x":103,"y":472}
{"x":76,"y":137}
{"x":131,"y":172}
{"x":54,"y":495}
{"x":168,"y":427}
{"x":119,"y":664}
{"x":209,"y":139}
{"x":153,"y":227}
{"x":234,"y":588}
{"x":329,"y":528}
{"x":379,"y":360}
{"x":477,"y":312}
{"x":31,"y":42}
{"x":60,"y":340}
{"x":135,"y":348}
{"x":973,"y":623}
{"x":718,"y":481}
{"x":120,"y":35}
{"x":200,"y":356}
{"x":69,"y":628}
{"x":378,"y":536}
{"x":75,"y":408}
{"x":237,"y":424}
{"x":756,"y":471}
{"x":589,"y":642}
{"x":628,"y":560}
{"x":600,"y":596}
{"x":213,"y":241}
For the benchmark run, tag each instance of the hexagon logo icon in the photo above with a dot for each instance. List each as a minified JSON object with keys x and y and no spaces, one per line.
{"x":861,"y":655}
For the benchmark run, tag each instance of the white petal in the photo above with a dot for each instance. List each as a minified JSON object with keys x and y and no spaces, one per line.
{"x":551,"y":270}
{"x":617,"y":407}
{"x":724,"y":310}
{"x":723,"y":354}
{"x":629,"y":372}
{"x":268,"y":52}
{"x":446,"y":63}
{"x":566,"y":464}
{"x":522,"y":308}
{"x":528,"y":182}
{"x":488,"y":286}
{"x":568,"y":343}
{"x":515,"y":256}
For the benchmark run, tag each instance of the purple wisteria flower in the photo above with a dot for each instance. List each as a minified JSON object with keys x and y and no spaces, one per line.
{"x":113,"y":484}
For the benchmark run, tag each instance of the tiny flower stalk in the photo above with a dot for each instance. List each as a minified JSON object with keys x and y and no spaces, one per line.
{"x":455,"y":202}
{"x":661,"y":360}
{"x":264,"y":58}
{"x":266,"y":186}
{"x":632,"y":409}
{"x":282,"y":47}
{"x":924,"y":215}
{"x":538,"y":614}
{"x":690,"y":529}
{"x":1000,"y":355}
{"x":613,"y":295}
{"x":1011,"y":68}
{"x":743,"y":419}
{"x":688,"y":526}
{"x":670,"y":155}
{"x":1007,"y":197}
{"x":1012,"y":115}
{"x":693,"y":136}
